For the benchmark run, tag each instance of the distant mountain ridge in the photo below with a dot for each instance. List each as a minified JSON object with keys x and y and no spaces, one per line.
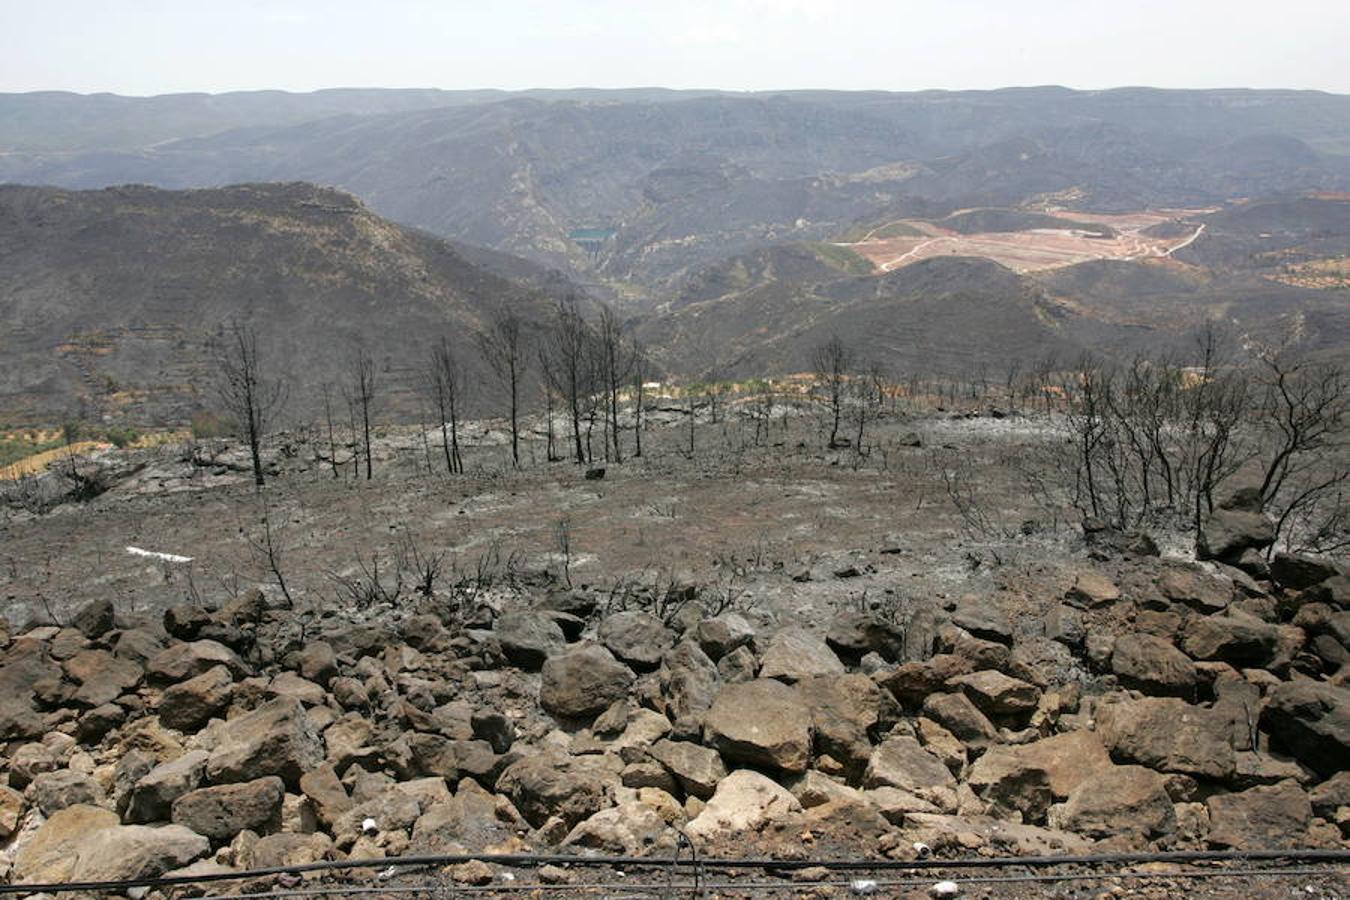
{"x":684,"y":178}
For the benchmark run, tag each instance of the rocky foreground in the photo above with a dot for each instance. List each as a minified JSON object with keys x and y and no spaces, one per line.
{"x":1154,"y":705}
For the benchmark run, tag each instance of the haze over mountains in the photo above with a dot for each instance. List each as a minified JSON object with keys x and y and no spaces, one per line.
{"x":723,"y":225}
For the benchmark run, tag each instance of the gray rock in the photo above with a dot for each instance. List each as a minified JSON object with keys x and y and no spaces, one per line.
{"x":795,"y":653}
{"x":152,"y":797}
{"x":1311,"y":721}
{"x":275,"y":739}
{"x":223,"y":811}
{"x":637,"y":638}
{"x":528,"y":638}
{"x":583,"y":682}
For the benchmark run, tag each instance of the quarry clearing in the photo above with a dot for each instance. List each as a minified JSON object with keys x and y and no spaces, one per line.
{"x":1030,"y":250}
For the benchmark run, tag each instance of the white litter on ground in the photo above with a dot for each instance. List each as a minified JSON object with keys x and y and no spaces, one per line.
{"x":945,"y":889}
{"x":154,"y":554}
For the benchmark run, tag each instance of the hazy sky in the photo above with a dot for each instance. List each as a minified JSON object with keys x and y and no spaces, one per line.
{"x":162,"y":46}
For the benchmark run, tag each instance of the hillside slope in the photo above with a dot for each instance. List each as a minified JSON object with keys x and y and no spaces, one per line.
{"x":112,"y":296}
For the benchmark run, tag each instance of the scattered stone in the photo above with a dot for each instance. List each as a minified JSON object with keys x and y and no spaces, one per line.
{"x":1296,"y":571}
{"x":1066,"y":759}
{"x":102,"y":677}
{"x":629,"y":829}
{"x":183,"y":661}
{"x":1199,"y":591}
{"x":722,"y":634}
{"x":855,"y":634}
{"x":900,"y":762}
{"x":327,"y":794}
{"x":982,"y":620}
{"x":95,"y":619}
{"x":541,"y":786}
{"x":962,"y":718}
{"x":1226,"y":533}
{"x":689,"y":683}
{"x":1237,"y":640}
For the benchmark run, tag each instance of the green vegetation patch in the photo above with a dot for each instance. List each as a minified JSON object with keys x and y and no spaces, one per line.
{"x":841,"y":258}
{"x":16,"y":445}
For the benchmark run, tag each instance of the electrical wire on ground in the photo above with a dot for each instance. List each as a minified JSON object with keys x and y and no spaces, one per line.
{"x":698,"y":865}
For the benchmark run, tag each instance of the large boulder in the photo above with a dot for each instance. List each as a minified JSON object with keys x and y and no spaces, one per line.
{"x":1169,"y":735}
{"x":761,"y":723}
{"x":86,"y":843}
{"x":223,"y":811}
{"x":542,"y":786}
{"x":583,"y":682}
{"x":94,"y":619}
{"x":997,"y":694}
{"x":1062,"y":762}
{"x":275,"y":739}
{"x":1269,"y":817}
{"x":1297,"y":571}
{"x":689,"y":683}
{"x":795,"y":653}
{"x":1153,"y":665}
{"x":639,"y":639}
{"x":472,"y":820}
{"x":1118,"y":800}
{"x":151,"y":798}
{"x":528,"y":638}
{"x":190,"y":704}
{"x":846,"y":712}
{"x":744,"y":801}
{"x":1311,"y":721}
{"x":855,"y":634}
{"x":722,"y":634}
{"x":102,"y":676}
{"x":1238,"y":640}
{"x":53,"y":791}
{"x":182,"y":661}
{"x":900,"y":762}
{"x":1226,"y":533}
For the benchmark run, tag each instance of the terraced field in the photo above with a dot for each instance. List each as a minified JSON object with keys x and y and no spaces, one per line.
{"x":1082,"y":238}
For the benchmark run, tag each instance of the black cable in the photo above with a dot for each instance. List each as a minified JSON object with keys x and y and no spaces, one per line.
{"x":773,"y":885}
{"x":837,"y":865}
